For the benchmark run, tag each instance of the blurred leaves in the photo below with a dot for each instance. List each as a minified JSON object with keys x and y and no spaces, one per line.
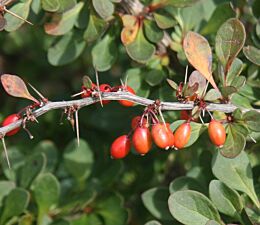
{"x":78,"y":160}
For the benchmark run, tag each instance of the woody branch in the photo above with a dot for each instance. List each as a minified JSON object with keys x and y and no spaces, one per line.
{"x":121,"y":95}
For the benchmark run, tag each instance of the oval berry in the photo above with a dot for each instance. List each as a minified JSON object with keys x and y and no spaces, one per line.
{"x":136,"y":121}
{"x":162,"y":135}
{"x":120,"y":147}
{"x":182,"y":135}
{"x":142,"y":140}
{"x":105,"y":88}
{"x":217,"y":133}
{"x":11,"y":119}
{"x":125,"y":102}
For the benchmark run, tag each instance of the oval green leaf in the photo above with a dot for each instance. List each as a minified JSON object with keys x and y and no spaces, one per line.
{"x":227,"y":200}
{"x":236,"y":173}
{"x":155,"y":200}
{"x":66,"y":49}
{"x":78,"y":159}
{"x":253,"y":54}
{"x":103,"y":62}
{"x":229,"y":41}
{"x":192,"y":207}
{"x":63,"y":23}
{"x":140,"y":49}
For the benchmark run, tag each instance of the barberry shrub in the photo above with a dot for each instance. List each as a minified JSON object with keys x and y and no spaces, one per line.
{"x":202,"y":55}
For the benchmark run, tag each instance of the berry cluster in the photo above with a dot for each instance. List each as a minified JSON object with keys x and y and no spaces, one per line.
{"x":141,"y":137}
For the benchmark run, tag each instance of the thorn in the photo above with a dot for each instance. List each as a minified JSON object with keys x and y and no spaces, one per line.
{"x":27,"y":131}
{"x":77,"y":94}
{"x":211,"y":116}
{"x":254,"y":140}
{"x":205,"y":90}
{"x":186,"y":74}
{"x":17,"y":16}
{"x":99,"y":93}
{"x":6,"y":154}
{"x":201,"y":120}
{"x":37,"y":92}
{"x":77,"y":125}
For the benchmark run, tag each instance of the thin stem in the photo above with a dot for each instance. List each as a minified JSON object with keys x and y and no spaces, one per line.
{"x":165,"y":106}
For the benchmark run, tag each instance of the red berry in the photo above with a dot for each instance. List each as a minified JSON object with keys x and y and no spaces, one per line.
{"x":162,"y":135}
{"x":105,"y":88}
{"x":87,"y":91}
{"x":182,"y":135}
{"x":136,"y":121}
{"x":11,"y":119}
{"x":217,"y":133}
{"x":142,"y":140}
{"x":120,"y":147}
{"x":125,"y":102}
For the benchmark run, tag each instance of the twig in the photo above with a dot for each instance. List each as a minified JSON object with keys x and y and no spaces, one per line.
{"x":121,"y":95}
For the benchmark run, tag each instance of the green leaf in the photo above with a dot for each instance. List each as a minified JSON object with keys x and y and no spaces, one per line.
{"x":178,"y":3}
{"x":63,"y":23}
{"x":252,"y":120}
{"x":17,"y":160}
{"x":32,"y":167}
{"x":46,"y":190}
{"x":78,"y":159}
{"x":153,"y":222}
{"x":227,"y":91}
{"x":227,"y":200}
{"x":5,"y":188}
{"x":235,"y":173}
{"x":26,"y":219}
{"x":235,"y":141}
{"x":229,"y":41}
{"x":238,"y":82}
{"x":155,"y":200}
{"x":15,"y":203}
{"x":95,"y":27}
{"x":66,"y":49}
{"x":104,"y":8}
{"x":212,"y":95}
{"x":50,"y":5}
{"x":51,"y":152}
{"x":152,"y":31}
{"x":66,"y":5}
{"x":234,"y":71}
{"x":212,"y":222}
{"x":22,"y":9}
{"x":191,"y":207}
{"x":155,"y":77}
{"x":196,"y":130}
{"x":253,"y":54}
{"x":222,"y":13}
{"x":163,"y":19}
{"x":110,"y":207}
{"x":103,"y":62}
{"x":140,"y":49}
{"x":135,"y":80}
{"x":185,"y":183}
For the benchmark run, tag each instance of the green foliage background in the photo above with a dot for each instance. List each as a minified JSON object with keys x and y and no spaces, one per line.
{"x":55,"y":182}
